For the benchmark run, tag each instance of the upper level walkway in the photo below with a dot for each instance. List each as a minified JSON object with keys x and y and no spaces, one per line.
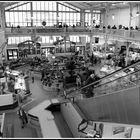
{"x":132,"y":35}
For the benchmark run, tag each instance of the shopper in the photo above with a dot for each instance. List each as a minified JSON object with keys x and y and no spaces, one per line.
{"x":42,"y":75}
{"x":19,"y":97}
{"x":22,"y":116}
{"x":32,"y":75}
{"x":57,"y":88}
{"x":91,"y":79}
{"x":78,"y":81}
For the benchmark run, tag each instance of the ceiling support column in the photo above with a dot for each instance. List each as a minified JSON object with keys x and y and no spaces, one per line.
{"x":82,"y":18}
{"x":106,"y":37}
{"x":138,"y":24}
{"x":130,"y":17}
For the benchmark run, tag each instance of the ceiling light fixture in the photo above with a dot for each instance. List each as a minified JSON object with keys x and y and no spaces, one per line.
{"x":113,"y":16}
{"x":137,"y":14}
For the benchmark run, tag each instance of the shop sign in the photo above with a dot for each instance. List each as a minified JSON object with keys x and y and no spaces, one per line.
{"x":117,"y":130}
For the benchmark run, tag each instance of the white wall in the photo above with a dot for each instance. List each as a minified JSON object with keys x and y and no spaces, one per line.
{"x":108,"y":132}
{"x":135,"y":133}
{"x":121,"y":16}
{"x":72,"y":118}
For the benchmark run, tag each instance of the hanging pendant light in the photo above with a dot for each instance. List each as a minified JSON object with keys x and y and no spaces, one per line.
{"x":137,"y":14}
{"x":113,"y":16}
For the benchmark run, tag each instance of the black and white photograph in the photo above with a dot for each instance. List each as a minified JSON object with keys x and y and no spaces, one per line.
{"x":69,"y":69}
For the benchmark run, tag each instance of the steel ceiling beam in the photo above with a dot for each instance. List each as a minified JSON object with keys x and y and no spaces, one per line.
{"x":83,"y":5}
{"x":17,"y":6}
{"x":6,"y":4}
{"x":73,"y":4}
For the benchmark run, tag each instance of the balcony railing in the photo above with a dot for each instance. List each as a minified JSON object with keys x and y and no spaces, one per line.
{"x":126,"y":34}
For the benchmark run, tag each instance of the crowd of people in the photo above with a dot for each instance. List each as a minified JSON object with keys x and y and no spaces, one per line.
{"x":63,"y":25}
{"x":99,"y":26}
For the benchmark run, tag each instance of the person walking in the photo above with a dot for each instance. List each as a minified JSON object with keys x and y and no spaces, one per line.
{"x":42,"y":75}
{"x":57,"y":88}
{"x":32,"y":76}
{"x":22,"y":116}
{"x":78,"y":81}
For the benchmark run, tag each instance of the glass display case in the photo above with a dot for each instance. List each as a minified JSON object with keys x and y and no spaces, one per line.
{"x":12,"y":54}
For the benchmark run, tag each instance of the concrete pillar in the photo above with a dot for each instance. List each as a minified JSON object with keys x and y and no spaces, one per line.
{"x":82,"y":18}
{"x":130,"y":15}
{"x":65,"y":43}
{"x":91,"y":40}
{"x":83,"y":40}
{"x":2,"y":33}
{"x":91,"y":22}
{"x":31,"y":14}
{"x":2,"y":19}
{"x":127,"y":52}
{"x":102,"y":18}
{"x":106,"y":24}
{"x":57,"y":13}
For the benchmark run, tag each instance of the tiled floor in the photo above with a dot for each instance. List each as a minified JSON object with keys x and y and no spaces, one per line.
{"x":38,"y":95}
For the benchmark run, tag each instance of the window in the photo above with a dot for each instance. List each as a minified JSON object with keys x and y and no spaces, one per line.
{"x":74,"y":38}
{"x":96,"y":15}
{"x":20,"y":14}
{"x":48,"y":39}
{"x":44,"y":5}
{"x":16,"y":40}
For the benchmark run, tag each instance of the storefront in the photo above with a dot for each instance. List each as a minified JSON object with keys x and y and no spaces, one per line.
{"x":63,"y":46}
{"x":80,"y":48}
{"x":12,"y":54}
{"x":48,"y":50}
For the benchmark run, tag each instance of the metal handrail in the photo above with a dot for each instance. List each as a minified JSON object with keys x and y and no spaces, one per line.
{"x":116,"y":79}
{"x":105,"y":77}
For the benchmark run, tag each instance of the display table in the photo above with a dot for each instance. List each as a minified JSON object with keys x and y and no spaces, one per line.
{"x":7,"y":102}
{"x":6,"y":99}
{"x":107,"y":70}
{"x":101,"y":55}
{"x":98,"y":54}
{"x":46,"y":119}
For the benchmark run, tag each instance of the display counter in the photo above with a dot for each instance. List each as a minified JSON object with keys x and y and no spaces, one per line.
{"x":107,"y":70}
{"x":7,"y":102}
{"x":46,"y":119}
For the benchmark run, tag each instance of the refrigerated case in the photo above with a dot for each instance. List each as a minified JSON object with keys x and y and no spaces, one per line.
{"x":12,"y":54}
{"x":48,"y":50}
